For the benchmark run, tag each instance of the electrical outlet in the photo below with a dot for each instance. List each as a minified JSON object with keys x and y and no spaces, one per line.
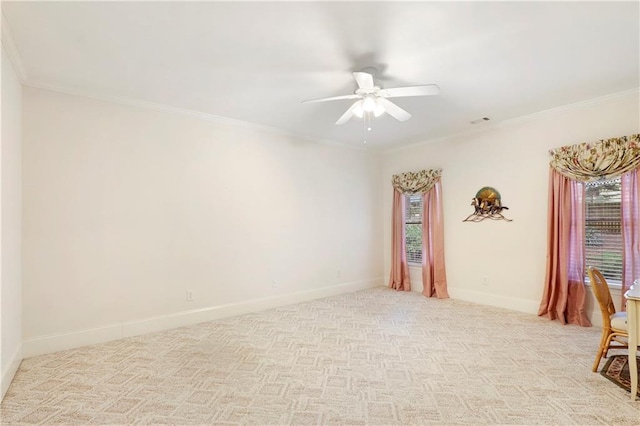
{"x":189,"y":296}
{"x":485,"y":280}
{"x":274,"y":284}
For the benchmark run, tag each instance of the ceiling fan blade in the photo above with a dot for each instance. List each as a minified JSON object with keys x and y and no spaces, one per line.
{"x":426,"y":90}
{"x":394,"y":110}
{"x":335,"y":98}
{"x":348,"y":114}
{"x":364,"y":80}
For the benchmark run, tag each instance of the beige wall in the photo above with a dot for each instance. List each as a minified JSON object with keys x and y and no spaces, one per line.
{"x":126,"y":209}
{"x":512,"y":157}
{"x":10,"y":226}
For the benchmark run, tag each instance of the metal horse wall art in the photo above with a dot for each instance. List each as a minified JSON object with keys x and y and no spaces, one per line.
{"x":487,"y":204}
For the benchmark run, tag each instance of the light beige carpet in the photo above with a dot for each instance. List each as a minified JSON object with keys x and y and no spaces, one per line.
{"x":372,"y":357}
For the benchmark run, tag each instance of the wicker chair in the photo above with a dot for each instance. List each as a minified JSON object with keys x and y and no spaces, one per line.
{"x":614,"y":324}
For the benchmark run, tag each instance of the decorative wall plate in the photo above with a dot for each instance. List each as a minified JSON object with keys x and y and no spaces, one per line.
{"x":487,"y":204}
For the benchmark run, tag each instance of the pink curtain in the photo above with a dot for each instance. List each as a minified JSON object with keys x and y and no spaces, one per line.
{"x":630,"y":207}
{"x":399,"y":279}
{"x":434,"y":277}
{"x":564,"y":293}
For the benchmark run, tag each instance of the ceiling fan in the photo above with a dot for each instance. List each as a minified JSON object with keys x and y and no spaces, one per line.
{"x":373,"y":99}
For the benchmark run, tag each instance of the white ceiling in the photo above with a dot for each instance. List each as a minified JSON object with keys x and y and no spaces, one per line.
{"x":255,"y":62}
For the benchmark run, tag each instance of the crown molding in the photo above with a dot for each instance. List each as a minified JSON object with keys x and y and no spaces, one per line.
{"x":519,"y":120}
{"x":199,"y":115}
{"x":9,"y":46}
{"x":138,"y":103}
{"x":560,"y":109}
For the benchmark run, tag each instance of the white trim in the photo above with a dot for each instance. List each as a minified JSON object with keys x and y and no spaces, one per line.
{"x":612,"y":284}
{"x":138,"y":103}
{"x":555,"y":110}
{"x":10,"y":371}
{"x":9,"y":45}
{"x":62,"y":341}
{"x":482,"y":298}
{"x":407,"y":144}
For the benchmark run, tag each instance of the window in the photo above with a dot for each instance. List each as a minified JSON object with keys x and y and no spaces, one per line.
{"x":603,"y":231}
{"x":413,"y":228}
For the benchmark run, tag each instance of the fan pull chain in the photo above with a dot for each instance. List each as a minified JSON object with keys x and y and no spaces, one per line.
{"x":367,"y":124}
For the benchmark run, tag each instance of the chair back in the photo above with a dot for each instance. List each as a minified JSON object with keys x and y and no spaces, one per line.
{"x":600,"y":289}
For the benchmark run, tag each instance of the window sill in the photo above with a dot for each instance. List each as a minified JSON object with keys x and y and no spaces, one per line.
{"x":614,"y":285}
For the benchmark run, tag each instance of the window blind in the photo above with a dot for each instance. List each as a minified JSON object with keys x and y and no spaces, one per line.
{"x":603,"y":232}
{"x":413,"y":228}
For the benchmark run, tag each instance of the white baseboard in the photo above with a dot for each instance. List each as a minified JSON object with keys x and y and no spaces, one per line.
{"x":531,"y":306}
{"x":58,"y":342}
{"x":512,"y":303}
{"x":61,"y":341}
{"x":10,"y":371}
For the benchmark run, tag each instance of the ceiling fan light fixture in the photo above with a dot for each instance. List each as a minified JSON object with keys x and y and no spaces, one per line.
{"x":378,"y":110}
{"x":369,"y":104}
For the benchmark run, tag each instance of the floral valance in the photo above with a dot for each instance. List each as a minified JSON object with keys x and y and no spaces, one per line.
{"x":416,"y":182}
{"x":605,"y":159}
